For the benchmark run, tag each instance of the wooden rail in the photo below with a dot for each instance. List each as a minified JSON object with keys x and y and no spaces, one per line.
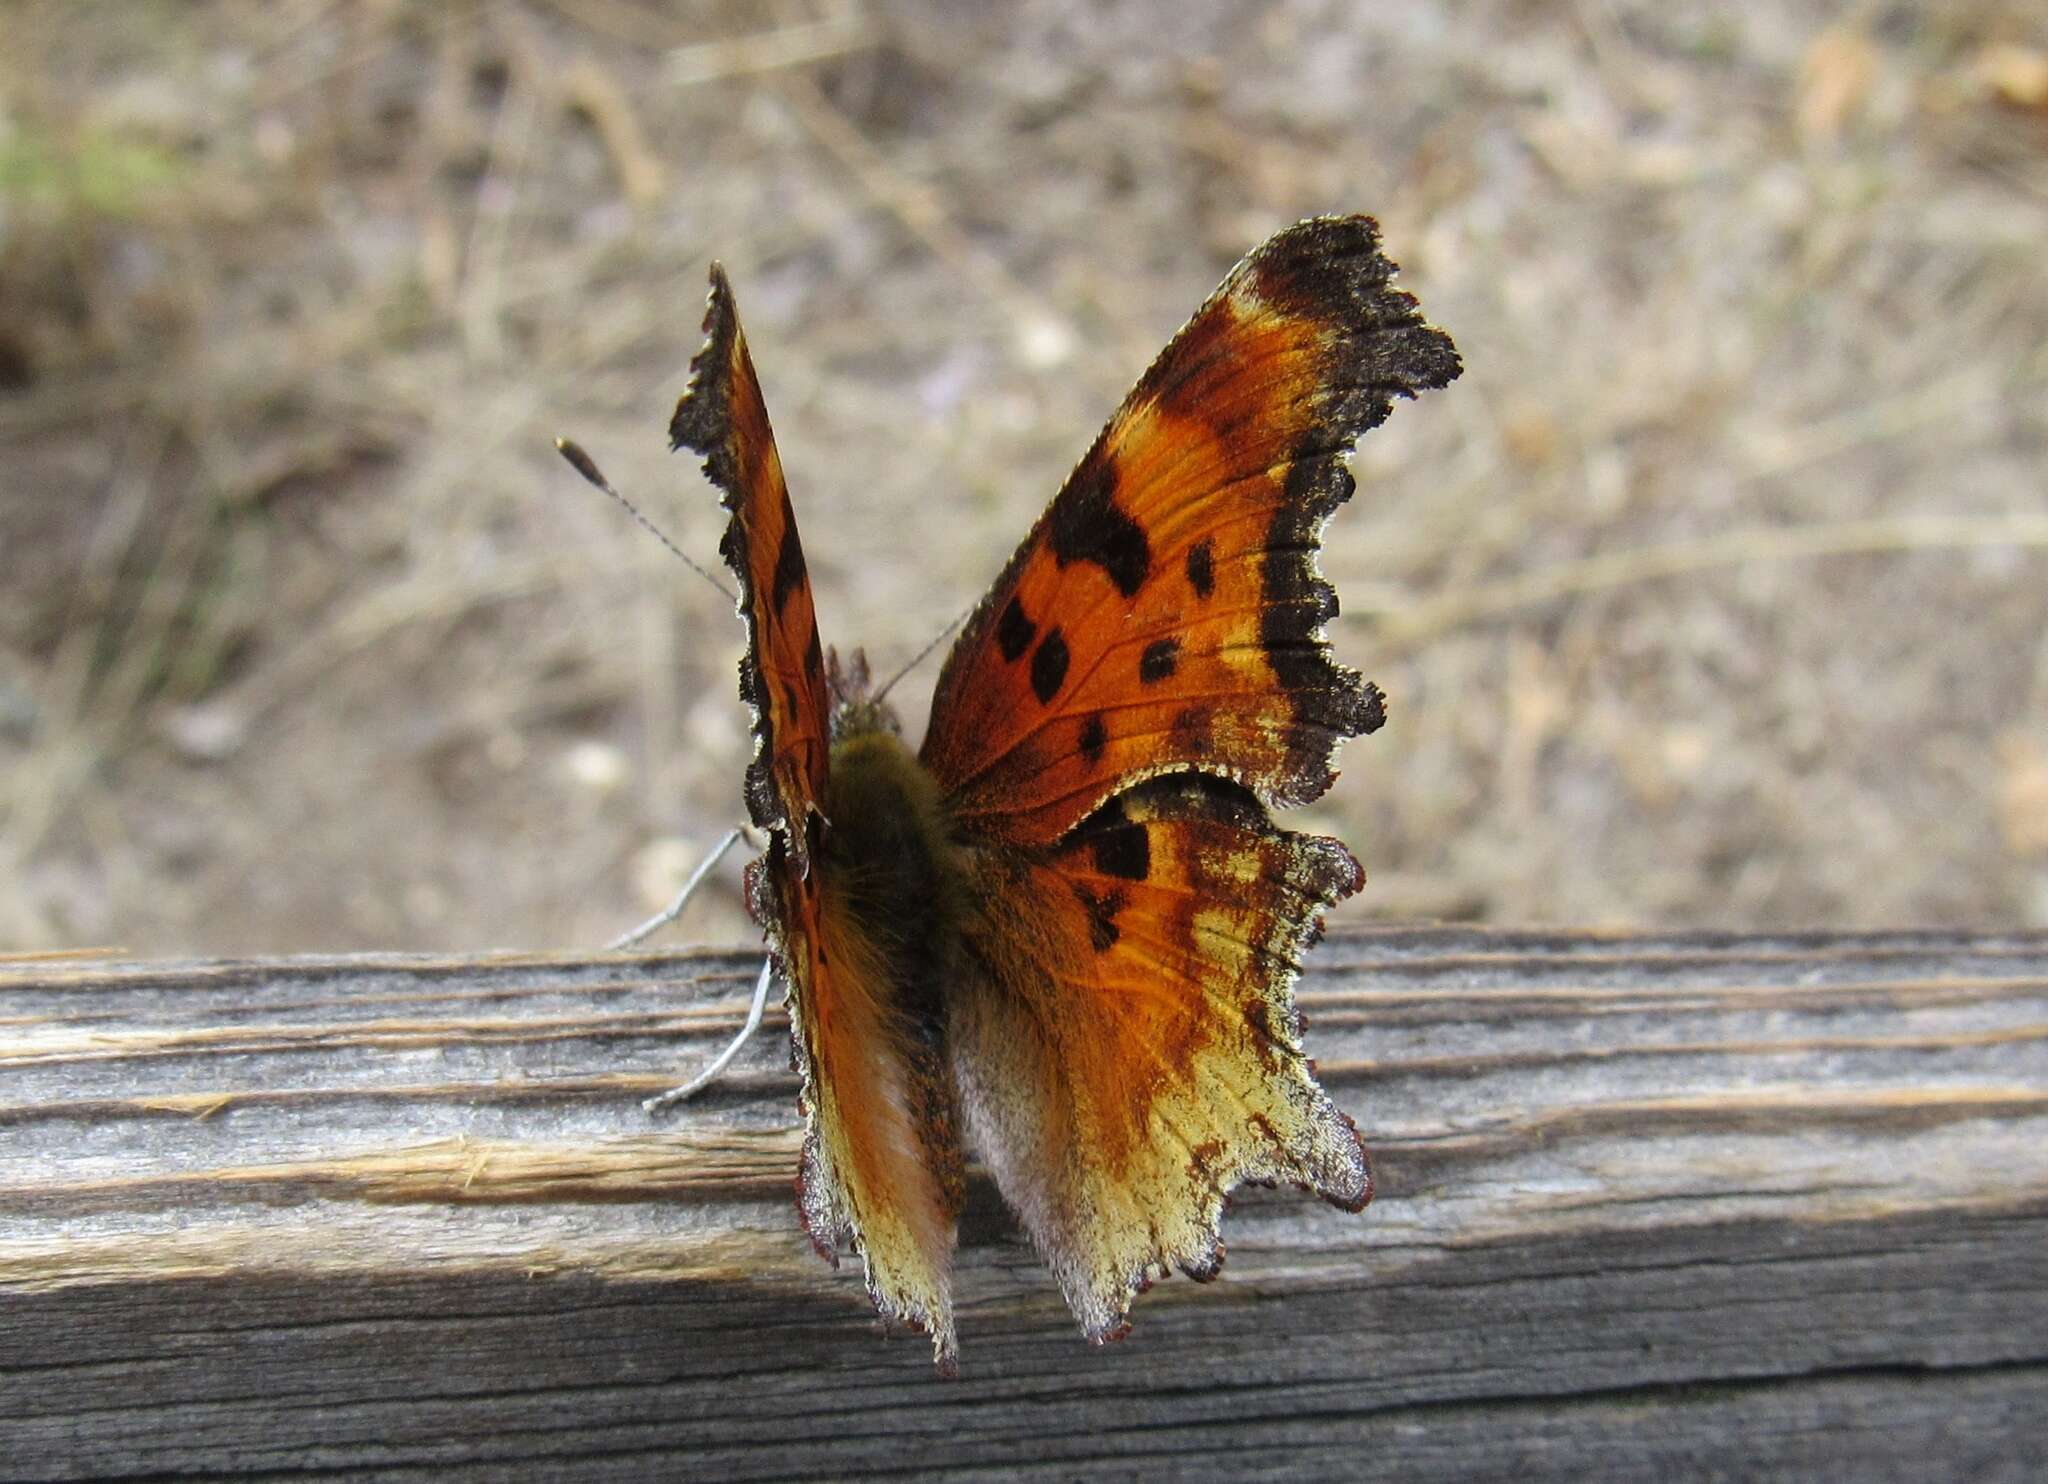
{"x":1690,"y":1204}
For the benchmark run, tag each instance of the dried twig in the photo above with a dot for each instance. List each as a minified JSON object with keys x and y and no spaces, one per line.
{"x":593,"y":91}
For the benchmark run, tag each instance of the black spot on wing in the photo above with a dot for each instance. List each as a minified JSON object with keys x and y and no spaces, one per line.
{"x":1202,"y":569}
{"x":1124,"y":850}
{"x":1049,"y":666}
{"x":1094,"y":737}
{"x":1160,"y":659}
{"x":789,"y":562}
{"x":1102,"y":910}
{"x":1014,"y":631}
{"x":1087,"y":526}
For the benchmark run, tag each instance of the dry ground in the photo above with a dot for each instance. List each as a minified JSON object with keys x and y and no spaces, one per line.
{"x":1716,"y":593}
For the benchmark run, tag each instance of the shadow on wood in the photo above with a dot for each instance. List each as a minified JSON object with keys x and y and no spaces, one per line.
{"x":1692,"y":1203}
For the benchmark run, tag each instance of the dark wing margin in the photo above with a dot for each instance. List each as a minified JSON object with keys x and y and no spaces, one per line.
{"x":782,"y":675}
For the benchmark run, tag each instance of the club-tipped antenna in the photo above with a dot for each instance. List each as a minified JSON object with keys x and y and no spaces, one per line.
{"x":922,"y":654}
{"x":585,"y":465}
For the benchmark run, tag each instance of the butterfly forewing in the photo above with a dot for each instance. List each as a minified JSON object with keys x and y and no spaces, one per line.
{"x":1166,"y":611}
{"x":782,"y":674}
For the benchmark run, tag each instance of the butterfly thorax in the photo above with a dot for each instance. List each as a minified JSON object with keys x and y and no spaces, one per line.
{"x":884,"y":832}
{"x":886,"y":845}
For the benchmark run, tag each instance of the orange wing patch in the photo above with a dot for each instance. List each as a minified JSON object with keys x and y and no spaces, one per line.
{"x":869,"y":1176}
{"x":1166,"y":612}
{"x":1130,"y":1049}
{"x":782,"y":675}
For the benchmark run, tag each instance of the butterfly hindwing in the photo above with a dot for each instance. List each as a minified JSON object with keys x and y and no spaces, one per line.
{"x":870,"y":1176}
{"x":879,"y":1172}
{"x":1166,"y":611}
{"x":1129,"y":1049}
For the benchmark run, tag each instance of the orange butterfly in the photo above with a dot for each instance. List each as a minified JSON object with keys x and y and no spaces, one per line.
{"x":1065,"y":929}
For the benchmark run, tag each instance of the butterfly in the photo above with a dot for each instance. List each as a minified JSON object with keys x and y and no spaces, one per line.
{"x":1065,"y":930}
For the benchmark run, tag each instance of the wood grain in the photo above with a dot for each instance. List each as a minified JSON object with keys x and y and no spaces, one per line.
{"x":1703,"y":1204}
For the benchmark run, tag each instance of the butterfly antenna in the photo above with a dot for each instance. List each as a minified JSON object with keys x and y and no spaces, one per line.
{"x":585,"y":465}
{"x":922,"y":654}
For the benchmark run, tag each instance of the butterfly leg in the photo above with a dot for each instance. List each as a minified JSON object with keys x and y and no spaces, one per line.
{"x":674,"y":909}
{"x":710,"y":1074}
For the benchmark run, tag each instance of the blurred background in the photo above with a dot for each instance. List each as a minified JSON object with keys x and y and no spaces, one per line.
{"x":1715,"y":594}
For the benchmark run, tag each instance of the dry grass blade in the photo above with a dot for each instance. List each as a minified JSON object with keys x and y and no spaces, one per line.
{"x":597,"y":93}
{"x":769,"y":51}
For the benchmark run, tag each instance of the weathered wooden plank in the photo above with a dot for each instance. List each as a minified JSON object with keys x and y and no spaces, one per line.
{"x":1703,"y":1203}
